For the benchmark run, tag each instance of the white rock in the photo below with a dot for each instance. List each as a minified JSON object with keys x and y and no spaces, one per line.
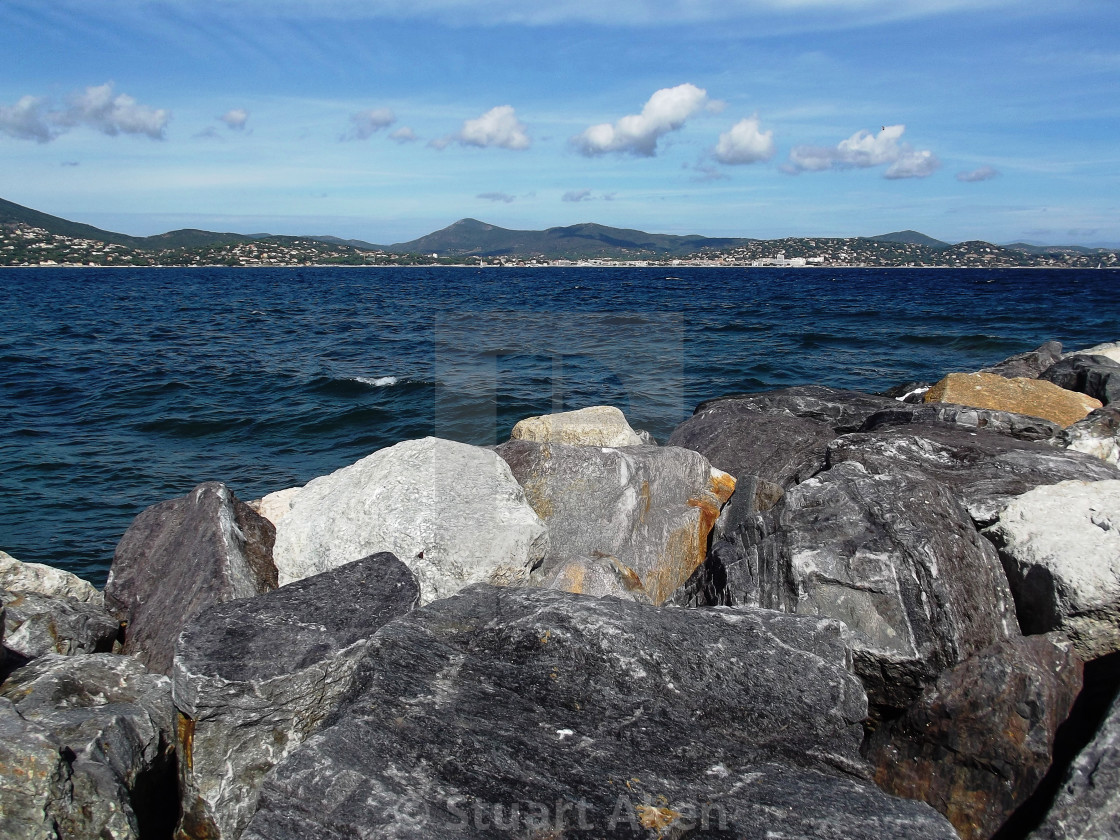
{"x":275,"y":506}
{"x":1111,"y":349}
{"x":599,"y":425}
{"x":16,"y":576}
{"x":453,"y":513}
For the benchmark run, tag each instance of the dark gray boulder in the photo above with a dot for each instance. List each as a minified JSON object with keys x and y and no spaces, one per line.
{"x":183,"y":555}
{"x":1019,"y":426}
{"x":985,"y":470}
{"x":844,"y":411}
{"x":35,"y":786}
{"x":1028,"y":365}
{"x":35,"y":625}
{"x":977,"y":743}
{"x":1097,"y":376}
{"x":895,"y":557}
{"x":254,"y":678}
{"x":537,"y":713}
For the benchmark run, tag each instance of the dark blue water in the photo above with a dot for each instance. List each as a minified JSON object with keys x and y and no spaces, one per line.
{"x":123,"y":387}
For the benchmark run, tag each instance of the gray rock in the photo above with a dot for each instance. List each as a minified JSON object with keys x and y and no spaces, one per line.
{"x":600,"y":576}
{"x":651,"y":508}
{"x":1097,"y":376}
{"x":35,"y":625}
{"x":1028,"y":365}
{"x":1019,"y":426}
{"x":180,"y":556}
{"x":910,"y":393}
{"x":598,"y":425}
{"x":452,"y":513}
{"x":984,"y":469}
{"x":978,"y":742}
{"x":844,"y":411}
{"x":1087,"y":806}
{"x":109,"y":722}
{"x":1060,"y":546}
{"x":563,"y":715}
{"x":1110,"y":349}
{"x":1097,"y":435}
{"x":35,"y":786}
{"x":45,"y":580}
{"x":253,"y":678}
{"x":894,"y":557}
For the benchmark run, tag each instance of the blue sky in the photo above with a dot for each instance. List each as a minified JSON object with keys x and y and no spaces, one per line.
{"x":386,"y":119}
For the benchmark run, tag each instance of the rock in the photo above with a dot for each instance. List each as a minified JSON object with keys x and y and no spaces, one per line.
{"x":107,"y":721}
{"x":35,"y":625}
{"x":1027,"y":365}
{"x":600,"y":425}
{"x":1111,"y":349}
{"x":895,"y":557}
{"x":1097,"y":376}
{"x":453,"y":513}
{"x":598,"y":576}
{"x":645,"y":437}
{"x":253,"y":678}
{"x":1020,"y":426}
{"x":978,"y":742}
{"x":45,"y":580}
{"x":985,"y":470}
{"x":767,"y":453}
{"x":275,"y":506}
{"x":844,"y":411}
{"x":558,"y":715}
{"x":183,"y":555}
{"x":34,"y":780}
{"x":909,"y":392}
{"x":1097,"y":435}
{"x":1087,"y":806}
{"x":1035,"y":397}
{"x":1060,"y":546}
{"x":652,"y":509}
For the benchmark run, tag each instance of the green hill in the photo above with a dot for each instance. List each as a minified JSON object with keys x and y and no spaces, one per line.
{"x":910,"y":237}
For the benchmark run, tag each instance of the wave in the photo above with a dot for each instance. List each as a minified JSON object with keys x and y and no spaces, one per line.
{"x":376,"y":381}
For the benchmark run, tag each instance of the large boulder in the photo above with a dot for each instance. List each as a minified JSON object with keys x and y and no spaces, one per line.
{"x":536,"y":713}
{"x":1097,"y":376}
{"x":35,"y":785}
{"x":651,"y":508}
{"x":1027,"y":365}
{"x":452,"y":513}
{"x":977,"y":743}
{"x":1109,"y":349}
{"x":1021,"y":426}
{"x":35,"y":625}
{"x":179,"y":557}
{"x":45,"y":580}
{"x":103,"y":764}
{"x":844,"y":411}
{"x":276,"y":505}
{"x":1034,"y":397}
{"x":985,"y":470}
{"x":254,"y":678}
{"x":895,"y":557}
{"x":1097,"y":435}
{"x":1060,"y":546}
{"x":600,"y":425}
{"x":600,"y":576}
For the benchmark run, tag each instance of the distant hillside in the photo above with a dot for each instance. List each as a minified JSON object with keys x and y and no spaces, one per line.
{"x":353,"y":243}
{"x":910,"y":237}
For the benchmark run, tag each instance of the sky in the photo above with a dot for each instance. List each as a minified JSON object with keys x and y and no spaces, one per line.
{"x":384,"y":120}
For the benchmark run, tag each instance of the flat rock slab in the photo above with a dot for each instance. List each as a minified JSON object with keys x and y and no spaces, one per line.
{"x":977,"y":743}
{"x":535,"y":713}
{"x":1097,"y":435}
{"x":16,"y":576}
{"x":1097,"y":376}
{"x":985,"y":470}
{"x":600,"y":425}
{"x":253,"y":678}
{"x":1028,"y":365}
{"x":453,"y":513}
{"x":895,"y":557}
{"x":1060,"y":546}
{"x":844,"y":411}
{"x":650,"y":508}
{"x":180,"y":556}
{"x":1020,"y":426}
{"x":36,"y":625}
{"x":1035,"y":397}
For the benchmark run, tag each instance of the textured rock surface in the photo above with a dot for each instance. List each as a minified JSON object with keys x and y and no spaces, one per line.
{"x":1060,"y":546}
{"x":984,"y":469}
{"x":253,"y":678}
{"x":1035,"y":397}
{"x":46,"y":580}
{"x":35,"y":787}
{"x":1021,"y":426}
{"x":181,"y":556}
{"x":844,"y":411}
{"x":978,"y":742}
{"x":1087,"y":806}
{"x":1111,"y":349}
{"x":1097,"y":376}
{"x":35,"y":625}
{"x":650,"y":508}
{"x":895,"y":558}
{"x":108,"y":721}
{"x":1097,"y":435}
{"x":275,"y":506}
{"x":599,"y":576}
{"x":452,"y":513}
{"x":1028,"y":365}
{"x":591,"y":717}
{"x":600,"y":425}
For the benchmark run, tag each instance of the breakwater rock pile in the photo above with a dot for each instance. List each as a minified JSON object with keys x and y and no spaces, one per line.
{"x":813,"y":613}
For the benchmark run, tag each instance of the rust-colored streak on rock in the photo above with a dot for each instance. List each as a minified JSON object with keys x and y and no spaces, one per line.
{"x":184,"y":734}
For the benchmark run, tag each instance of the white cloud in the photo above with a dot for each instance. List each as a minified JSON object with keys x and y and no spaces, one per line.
{"x":496,"y":196}
{"x":984,"y":173}
{"x":497,"y":127}
{"x":404,"y":134}
{"x":864,"y":150}
{"x":365,"y":124}
{"x":637,"y":134}
{"x":27,"y":120}
{"x":235,"y":118}
{"x":96,"y":107}
{"x":745,"y":143}
{"x":576,"y":195}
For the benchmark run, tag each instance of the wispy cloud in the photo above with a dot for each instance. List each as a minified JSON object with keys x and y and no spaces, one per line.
{"x":745,"y":143}
{"x":235,"y":118}
{"x":31,"y":118}
{"x":576,"y":195}
{"x":864,"y":150}
{"x":984,"y":173}
{"x":365,"y":124}
{"x":504,"y":198}
{"x":637,"y":134}
{"x":404,"y":134}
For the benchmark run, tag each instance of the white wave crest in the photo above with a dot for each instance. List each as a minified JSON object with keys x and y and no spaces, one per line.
{"x":378,"y":381}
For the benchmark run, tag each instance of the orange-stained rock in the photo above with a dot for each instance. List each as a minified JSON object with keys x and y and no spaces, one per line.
{"x":1035,"y":397}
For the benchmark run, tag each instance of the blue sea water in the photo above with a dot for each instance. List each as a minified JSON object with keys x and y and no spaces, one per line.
{"x":120,"y":388}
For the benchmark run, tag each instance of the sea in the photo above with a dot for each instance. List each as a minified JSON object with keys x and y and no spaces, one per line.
{"x":124,"y":387}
